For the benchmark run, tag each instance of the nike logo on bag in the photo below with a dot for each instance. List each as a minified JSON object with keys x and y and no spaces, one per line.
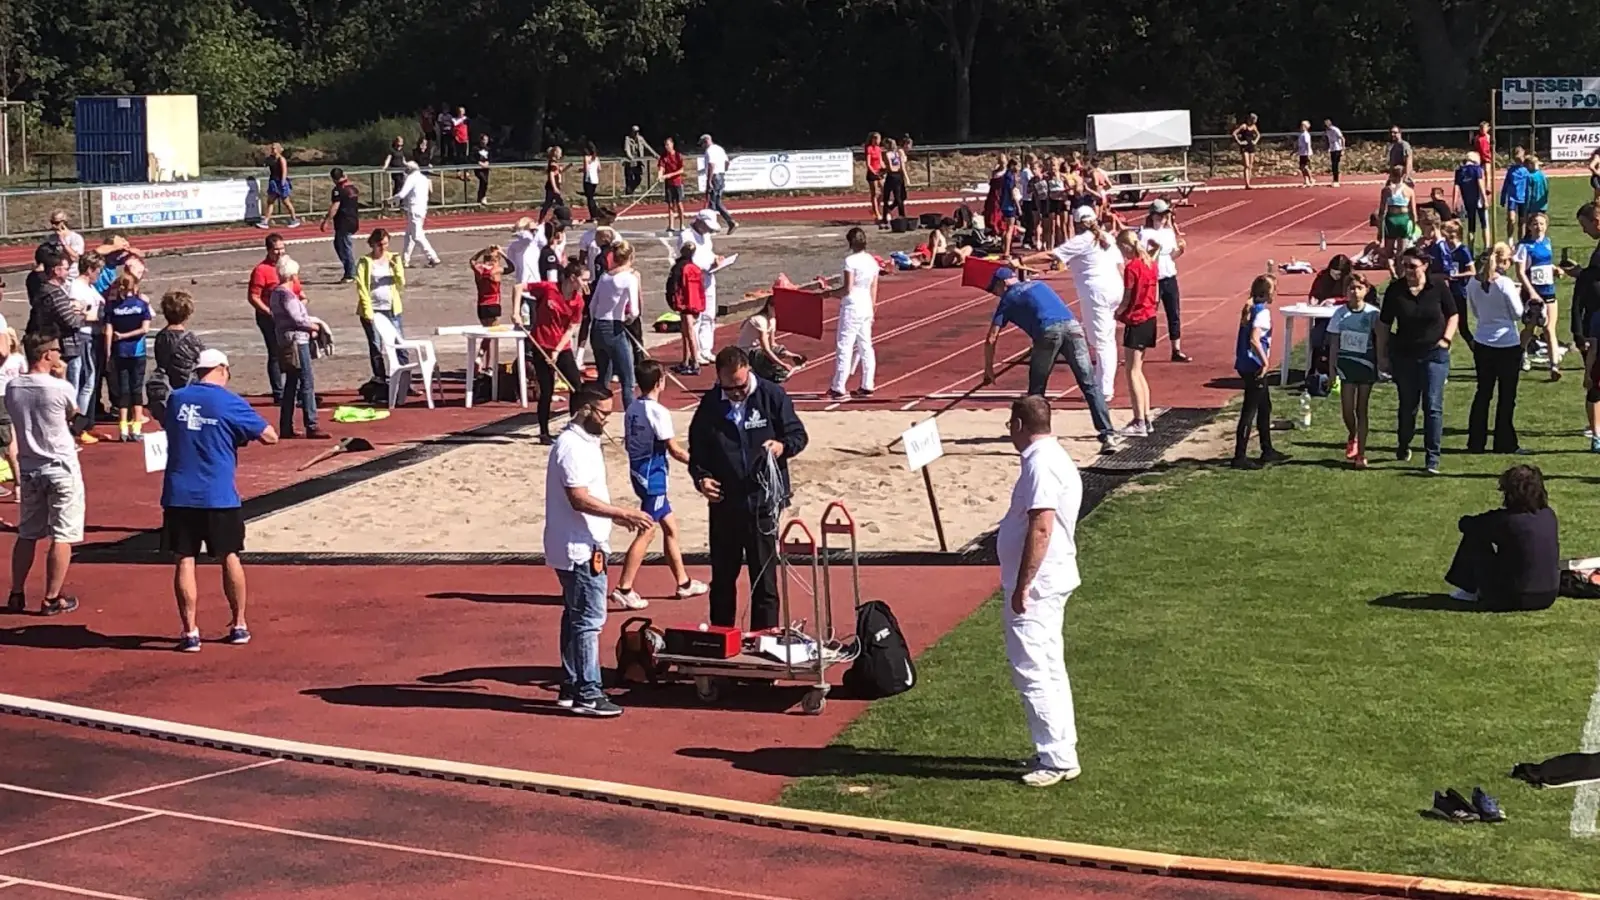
{"x":911,"y":676}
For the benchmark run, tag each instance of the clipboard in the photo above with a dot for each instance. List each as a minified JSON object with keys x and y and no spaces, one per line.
{"x":726,"y":262}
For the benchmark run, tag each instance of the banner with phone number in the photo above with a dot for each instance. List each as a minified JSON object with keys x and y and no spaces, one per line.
{"x":785,"y":171}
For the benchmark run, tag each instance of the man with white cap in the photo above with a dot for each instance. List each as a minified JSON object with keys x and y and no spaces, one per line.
{"x":205,"y":426}
{"x":706,"y":259}
{"x":714,"y":164}
{"x":413,"y":198}
{"x":1096,"y":266}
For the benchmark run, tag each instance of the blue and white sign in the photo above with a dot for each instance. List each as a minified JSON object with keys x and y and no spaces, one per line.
{"x":786,"y":171}
{"x":177,"y":203}
{"x":1550,"y":93}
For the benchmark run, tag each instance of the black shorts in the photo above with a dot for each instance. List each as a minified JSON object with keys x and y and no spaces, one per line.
{"x":1305,"y":163}
{"x":1058,"y":206}
{"x":488,"y":311}
{"x":1141,"y":336}
{"x":674,"y":193}
{"x":185,"y":529}
{"x":127,"y":374}
{"x":874,"y":177}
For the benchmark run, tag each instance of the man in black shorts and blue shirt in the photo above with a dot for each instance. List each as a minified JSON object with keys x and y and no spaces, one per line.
{"x":206,"y":424}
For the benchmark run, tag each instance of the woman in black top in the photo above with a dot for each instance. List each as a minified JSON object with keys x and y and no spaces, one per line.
{"x":1422,"y":312}
{"x":1247,"y":135}
{"x":1510,"y":558}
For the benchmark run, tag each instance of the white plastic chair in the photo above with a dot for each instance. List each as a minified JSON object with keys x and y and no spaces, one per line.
{"x":423,"y":360}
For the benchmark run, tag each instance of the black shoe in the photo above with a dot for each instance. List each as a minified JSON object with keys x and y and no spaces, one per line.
{"x":58,"y":606}
{"x":1487,"y":807}
{"x":861,"y":393}
{"x":1403,"y":455}
{"x":17,"y":603}
{"x":1244,"y":463}
{"x":1180,"y":357}
{"x":598,"y":708}
{"x":1450,"y":806}
{"x":546,"y":440}
{"x":1273,"y":456}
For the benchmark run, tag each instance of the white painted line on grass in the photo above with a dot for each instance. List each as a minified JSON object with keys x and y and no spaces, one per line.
{"x":1586,"y":800}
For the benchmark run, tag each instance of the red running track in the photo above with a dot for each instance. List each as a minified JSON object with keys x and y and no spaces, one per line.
{"x":104,"y":815}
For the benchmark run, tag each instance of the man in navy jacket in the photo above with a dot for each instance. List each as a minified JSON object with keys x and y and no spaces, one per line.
{"x":737,"y":425}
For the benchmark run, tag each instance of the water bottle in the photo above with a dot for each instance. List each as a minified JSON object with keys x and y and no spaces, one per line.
{"x":1272,"y":267}
{"x":1305,"y":411}
{"x":1322,"y":240}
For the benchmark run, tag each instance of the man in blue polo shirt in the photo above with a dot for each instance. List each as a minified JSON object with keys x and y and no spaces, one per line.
{"x":1040,"y":313}
{"x":206,"y":424}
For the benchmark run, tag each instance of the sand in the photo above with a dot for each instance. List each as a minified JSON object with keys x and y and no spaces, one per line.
{"x":488,"y":495}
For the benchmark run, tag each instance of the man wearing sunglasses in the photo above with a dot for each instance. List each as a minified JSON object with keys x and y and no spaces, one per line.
{"x":740,"y":441}
{"x":42,"y":405}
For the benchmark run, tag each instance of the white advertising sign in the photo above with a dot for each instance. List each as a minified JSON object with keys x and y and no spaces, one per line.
{"x":785,"y":171}
{"x":177,"y":203}
{"x":922,"y":444}
{"x":1569,"y":142}
{"x":1552,"y":93}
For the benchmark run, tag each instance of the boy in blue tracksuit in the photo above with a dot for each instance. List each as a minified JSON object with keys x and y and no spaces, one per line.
{"x":740,"y":441}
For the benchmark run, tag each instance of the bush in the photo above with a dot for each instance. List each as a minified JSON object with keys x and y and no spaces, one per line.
{"x":225,"y":149}
{"x":365,"y":145}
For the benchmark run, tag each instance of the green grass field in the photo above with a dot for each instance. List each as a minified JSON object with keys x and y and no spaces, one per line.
{"x":1253,"y":682}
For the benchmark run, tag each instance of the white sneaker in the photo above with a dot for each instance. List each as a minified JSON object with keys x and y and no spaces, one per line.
{"x":692,"y":589}
{"x":1136,"y":429}
{"x":628,"y":599}
{"x":1461,"y":596}
{"x":1047,"y":777}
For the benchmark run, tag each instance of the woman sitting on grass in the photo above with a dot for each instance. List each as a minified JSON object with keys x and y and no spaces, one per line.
{"x":1354,"y":362}
{"x":1510,"y":558}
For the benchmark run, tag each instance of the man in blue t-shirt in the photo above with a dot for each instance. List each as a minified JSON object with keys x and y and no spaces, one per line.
{"x":1040,"y":313}
{"x":1514,"y":193}
{"x":205,"y":425}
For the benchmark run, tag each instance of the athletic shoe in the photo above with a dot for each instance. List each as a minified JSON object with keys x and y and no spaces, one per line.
{"x":264,"y":225}
{"x":1463,"y":596}
{"x":1594,"y":444}
{"x":1351,"y":451}
{"x":861,"y":393}
{"x":294,"y":223}
{"x":1432,"y":469}
{"x":692,"y":589}
{"x":1527,"y":363}
{"x":1361,"y":461}
{"x":564,"y":699}
{"x":189,"y":643}
{"x":1403,"y":455}
{"x":1244,"y":464}
{"x":835,"y":395}
{"x":1274,"y":456}
{"x":1136,"y":429}
{"x":1042,"y":776}
{"x":598,"y":708}
{"x":58,"y":606}
{"x":1110,"y":444}
{"x":628,"y":599}
{"x":1450,"y":806}
{"x":1488,"y":808}
{"x":237,"y":636}
{"x":1181,"y":357}
{"x":16,"y":603}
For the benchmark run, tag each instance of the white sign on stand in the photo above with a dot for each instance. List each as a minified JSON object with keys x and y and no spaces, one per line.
{"x":785,"y":171}
{"x":1569,"y":92}
{"x":1573,"y":142}
{"x":155,"y":451}
{"x":922,"y":444}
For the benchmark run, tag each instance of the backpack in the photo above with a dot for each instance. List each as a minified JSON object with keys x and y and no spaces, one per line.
{"x":637,"y":647}
{"x":883,"y":665}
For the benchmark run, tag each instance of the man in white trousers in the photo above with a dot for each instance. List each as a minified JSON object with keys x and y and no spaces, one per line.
{"x":1038,"y":572}
{"x":413,"y":199}
{"x":1096,"y":266}
{"x":858,"y":295}
{"x":699,"y":233}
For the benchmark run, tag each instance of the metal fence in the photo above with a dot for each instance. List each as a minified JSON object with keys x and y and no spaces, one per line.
{"x":24,"y":212}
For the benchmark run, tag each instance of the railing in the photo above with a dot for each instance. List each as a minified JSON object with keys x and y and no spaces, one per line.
{"x":24,"y":212}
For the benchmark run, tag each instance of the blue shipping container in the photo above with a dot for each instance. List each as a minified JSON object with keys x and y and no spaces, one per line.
{"x":112,"y":140}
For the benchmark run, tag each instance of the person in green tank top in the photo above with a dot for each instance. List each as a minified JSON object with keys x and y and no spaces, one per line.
{"x":1355,"y":363}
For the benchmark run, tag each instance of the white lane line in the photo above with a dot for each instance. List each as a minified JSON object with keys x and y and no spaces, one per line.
{"x":1585,"y":820}
{"x":397,"y":848}
{"x":207,"y":777}
{"x":79,"y":833}
{"x":64,"y":888}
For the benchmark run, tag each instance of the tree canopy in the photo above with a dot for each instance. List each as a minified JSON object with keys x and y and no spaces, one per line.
{"x":789,"y":72}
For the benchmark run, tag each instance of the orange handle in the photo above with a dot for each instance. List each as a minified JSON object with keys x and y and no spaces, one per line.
{"x":830,"y":525}
{"x":807,"y":542}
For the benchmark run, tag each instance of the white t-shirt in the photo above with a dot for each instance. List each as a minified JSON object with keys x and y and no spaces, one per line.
{"x":1302,"y":143}
{"x":1496,"y":311}
{"x":523,"y":253}
{"x":716,"y":160}
{"x":704,"y":258}
{"x":93,"y":304}
{"x":616,"y":296}
{"x":39,"y":406}
{"x":1166,"y":241}
{"x":750,"y":332}
{"x":1335,"y":139}
{"x":571,"y":537}
{"x":14,"y":365}
{"x":591,"y":171}
{"x":1049,"y":480}
{"x":864,"y":270}
{"x":382,"y":276}
{"x":1095,"y":269}
{"x":73,"y":241}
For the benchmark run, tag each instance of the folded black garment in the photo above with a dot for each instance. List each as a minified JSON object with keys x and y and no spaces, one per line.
{"x":1566,"y":770}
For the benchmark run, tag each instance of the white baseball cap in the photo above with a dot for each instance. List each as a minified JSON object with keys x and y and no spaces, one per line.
{"x":1084,"y":214}
{"x":708,"y":218}
{"x":210,"y":359}
{"x":1159,"y":206}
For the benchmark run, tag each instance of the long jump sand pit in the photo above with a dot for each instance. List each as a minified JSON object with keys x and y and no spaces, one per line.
{"x":487,"y":496}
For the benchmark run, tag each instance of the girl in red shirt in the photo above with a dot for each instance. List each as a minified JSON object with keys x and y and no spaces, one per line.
{"x":557,"y":313}
{"x":686,"y":295}
{"x":488,"y":267}
{"x":1138,"y":316}
{"x":874,"y":154}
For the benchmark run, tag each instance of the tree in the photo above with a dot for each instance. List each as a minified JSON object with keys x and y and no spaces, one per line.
{"x":236,"y":70}
{"x":1452,"y":36}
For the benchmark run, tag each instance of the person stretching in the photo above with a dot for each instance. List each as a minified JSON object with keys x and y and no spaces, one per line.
{"x":1138,"y":317}
{"x":1096,"y":266}
{"x":648,"y":435}
{"x":853,"y":340}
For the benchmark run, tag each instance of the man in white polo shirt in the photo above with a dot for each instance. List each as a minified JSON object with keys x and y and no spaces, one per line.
{"x":1038,"y":572}
{"x":1096,"y":266}
{"x":714,"y":161}
{"x":577,"y":540}
{"x":699,"y":232}
{"x":413,"y":198}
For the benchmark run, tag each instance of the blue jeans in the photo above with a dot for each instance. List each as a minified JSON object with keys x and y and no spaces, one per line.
{"x":298,"y":386}
{"x":583,"y":614}
{"x":269,"y":334}
{"x":1419,"y":378}
{"x":613,"y":355}
{"x":714,"y":185}
{"x":1065,"y":341}
{"x":80,"y":374}
{"x":344,"y":248}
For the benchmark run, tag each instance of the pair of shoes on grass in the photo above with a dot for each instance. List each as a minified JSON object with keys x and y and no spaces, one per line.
{"x":1450,"y":806}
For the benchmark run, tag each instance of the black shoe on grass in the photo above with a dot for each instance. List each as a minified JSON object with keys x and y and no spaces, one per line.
{"x":1244,"y":464}
{"x":1487,"y":807}
{"x":1273,"y":456}
{"x":1450,"y":806}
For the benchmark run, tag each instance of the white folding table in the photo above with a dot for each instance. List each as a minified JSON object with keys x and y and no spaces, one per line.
{"x":477,"y":336}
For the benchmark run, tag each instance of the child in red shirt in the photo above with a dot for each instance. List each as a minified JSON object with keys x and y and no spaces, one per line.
{"x":686,"y":295}
{"x":488,"y":268}
{"x":1138,"y":316}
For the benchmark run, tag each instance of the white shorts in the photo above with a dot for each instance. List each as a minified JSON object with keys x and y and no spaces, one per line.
{"x":52,"y":505}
